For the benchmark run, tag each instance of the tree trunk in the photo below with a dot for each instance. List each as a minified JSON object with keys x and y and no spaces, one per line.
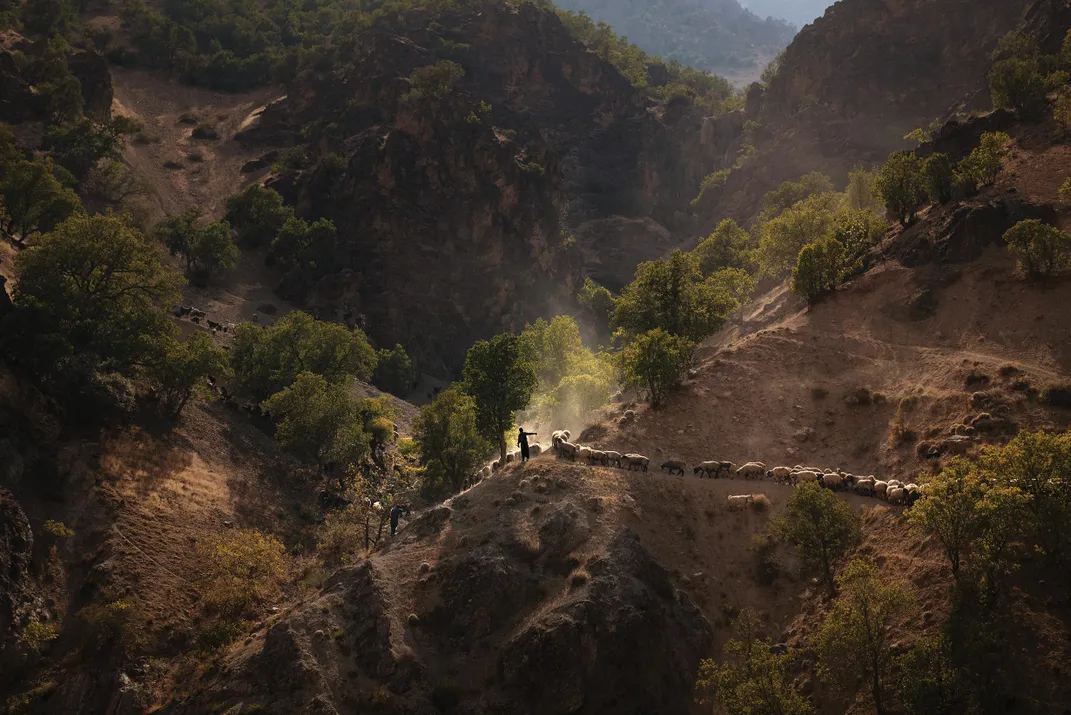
{"x":879,"y":708}
{"x":502,"y":449}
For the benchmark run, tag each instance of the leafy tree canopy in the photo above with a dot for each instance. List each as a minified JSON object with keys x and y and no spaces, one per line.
{"x":501,"y":381}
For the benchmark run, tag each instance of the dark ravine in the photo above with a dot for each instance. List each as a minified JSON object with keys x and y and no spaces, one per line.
{"x":471,"y":215}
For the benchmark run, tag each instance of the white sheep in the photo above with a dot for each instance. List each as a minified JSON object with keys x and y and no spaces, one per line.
{"x":597,"y":456}
{"x":583,"y":453}
{"x":832,"y":481}
{"x":739,"y":501}
{"x":567,"y":450}
{"x":895,"y":495}
{"x":865,"y":487}
{"x":804,"y":475}
{"x":613,"y":458}
{"x":558,"y":436}
{"x":751,"y":470}
{"x":637,"y":460}
{"x":708,"y":469}
{"x":780,"y":474}
{"x":880,"y":489}
{"x":534,"y":450}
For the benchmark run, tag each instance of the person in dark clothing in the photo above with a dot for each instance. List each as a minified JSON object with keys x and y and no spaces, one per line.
{"x":396,"y":514}
{"x":522,"y":442}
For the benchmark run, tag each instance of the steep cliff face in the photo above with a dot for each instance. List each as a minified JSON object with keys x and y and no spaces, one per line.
{"x":856,"y":80}
{"x":455,"y":211}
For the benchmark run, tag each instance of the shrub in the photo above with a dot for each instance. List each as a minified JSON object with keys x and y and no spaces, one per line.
{"x":940,"y":178}
{"x":36,"y":634}
{"x":183,"y":368}
{"x":599,"y":303}
{"x":782,"y":238}
{"x":241,"y":569}
{"x":1057,"y":396}
{"x":710,"y":184}
{"x":433,"y":81}
{"x":57,"y":529}
{"x":818,"y":268}
{"x":790,"y":193}
{"x":1017,"y":84}
{"x":985,"y":162}
{"x":1041,"y":249}
{"x":1065,"y":191}
{"x":901,"y":183}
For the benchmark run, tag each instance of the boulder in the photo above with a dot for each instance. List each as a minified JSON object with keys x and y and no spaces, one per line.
{"x":16,"y":551}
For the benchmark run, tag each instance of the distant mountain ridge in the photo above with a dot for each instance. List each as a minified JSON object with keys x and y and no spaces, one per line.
{"x":797,"y":12}
{"x":717,"y":35}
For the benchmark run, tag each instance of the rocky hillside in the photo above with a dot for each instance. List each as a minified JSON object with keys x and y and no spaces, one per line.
{"x":717,"y":35}
{"x":455,"y":211}
{"x":854,"y":82}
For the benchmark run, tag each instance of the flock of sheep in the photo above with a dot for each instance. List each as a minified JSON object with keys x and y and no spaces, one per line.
{"x":892,"y":491}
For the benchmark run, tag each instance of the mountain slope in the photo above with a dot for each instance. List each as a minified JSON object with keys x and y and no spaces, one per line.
{"x":854,"y":82}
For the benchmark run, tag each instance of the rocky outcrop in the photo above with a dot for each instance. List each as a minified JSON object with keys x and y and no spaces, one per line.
{"x":628,"y":642}
{"x":16,"y":551}
{"x":493,"y":629}
{"x":854,"y":82}
{"x":455,"y":212}
{"x":92,"y":72}
{"x":963,"y":233}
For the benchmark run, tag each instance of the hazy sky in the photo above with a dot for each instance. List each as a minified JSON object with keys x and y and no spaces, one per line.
{"x":798,"y":12}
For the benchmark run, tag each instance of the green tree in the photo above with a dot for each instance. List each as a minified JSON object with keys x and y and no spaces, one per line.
{"x":655,"y":362}
{"x":267,"y":360}
{"x":310,"y":248}
{"x":257,"y":214}
{"x":736,"y":283}
{"x":319,"y":421}
{"x":940,"y":178}
{"x":34,"y":199}
{"x":205,"y":248}
{"x":791,"y":193}
{"x":1018,"y":84}
{"x":818,"y":269}
{"x":450,"y":444}
{"x":182,"y":369}
{"x":729,"y":246}
{"x":1003,"y":517}
{"x":751,"y":679}
{"x":901,"y":184}
{"x":97,"y":288}
{"x":599,"y":304}
{"x":1039,"y":464}
{"x":80,"y":144}
{"x":854,"y":641}
{"x":782,"y":238}
{"x":1041,"y":249}
{"x":671,"y":294}
{"x":573,"y":381}
{"x":985,"y":162}
{"x":948,"y":511}
{"x":46,"y":18}
{"x":823,"y":527}
{"x":501,"y":381}
{"x":929,"y":682}
{"x":860,"y":192}
{"x":394,"y":371}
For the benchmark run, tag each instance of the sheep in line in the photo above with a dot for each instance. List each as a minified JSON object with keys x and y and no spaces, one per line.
{"x":714,"y":469}
{"x":636,"y":461}
{"x":752,"y":470}
{"x":674,"y":466}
